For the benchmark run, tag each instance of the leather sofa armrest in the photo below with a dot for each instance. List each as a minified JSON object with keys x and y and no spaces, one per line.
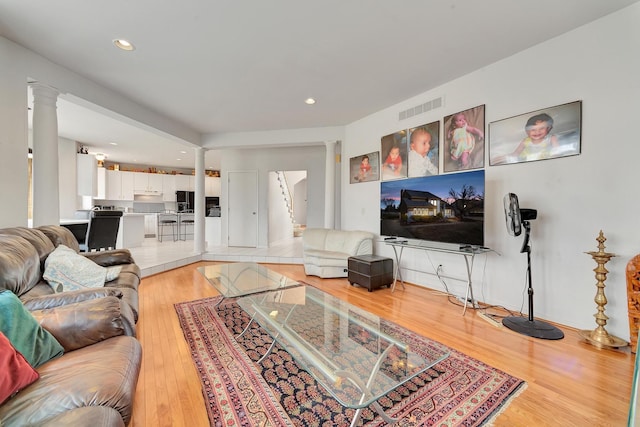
{"x":69,"y":297}
{"x":110,"y":258}
{"x":83,"y":323}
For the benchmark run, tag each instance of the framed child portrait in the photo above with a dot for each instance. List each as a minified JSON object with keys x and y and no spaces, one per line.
{"x":464,"y":140}
{"x":394,"y":153}
{"x":364,"y":168}
{"x":423,"y":158}
{"x":538,"y":135}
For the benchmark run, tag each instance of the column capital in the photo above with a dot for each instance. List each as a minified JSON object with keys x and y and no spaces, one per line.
{"x":330,"y":144}
{"x":43,"y":94}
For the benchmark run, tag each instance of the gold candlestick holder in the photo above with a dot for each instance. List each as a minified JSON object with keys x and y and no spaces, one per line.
{"x":599,"y":337}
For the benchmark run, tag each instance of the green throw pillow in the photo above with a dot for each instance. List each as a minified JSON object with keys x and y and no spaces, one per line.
{"x":26,"y":335}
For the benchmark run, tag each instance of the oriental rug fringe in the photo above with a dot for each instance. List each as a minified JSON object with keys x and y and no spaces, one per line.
{"x":459,"y":391}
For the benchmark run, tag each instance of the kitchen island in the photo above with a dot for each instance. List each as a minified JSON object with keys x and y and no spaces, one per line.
{"x":130,"y":232}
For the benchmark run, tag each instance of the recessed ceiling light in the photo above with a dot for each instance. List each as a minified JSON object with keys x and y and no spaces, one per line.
{"x":124,"y":44}
{"x":183,"y":152}
{"x":309,"y":101}
{"x":113,"y":143}
{"x":178,"y":159}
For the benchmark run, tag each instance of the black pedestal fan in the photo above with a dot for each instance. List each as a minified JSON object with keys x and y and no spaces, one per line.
{"x":517,"y":219}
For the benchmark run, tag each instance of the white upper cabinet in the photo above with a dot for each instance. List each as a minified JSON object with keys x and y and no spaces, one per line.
{"x":119,"y":185}
{"x":127,"y":185}
{"x":184,"y":182}
{"x":168,"y":188}
{"x":147,"y":183}
{"x":211,"y":186}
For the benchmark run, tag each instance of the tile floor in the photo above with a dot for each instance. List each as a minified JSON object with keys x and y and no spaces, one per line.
{"x":155,"y":257}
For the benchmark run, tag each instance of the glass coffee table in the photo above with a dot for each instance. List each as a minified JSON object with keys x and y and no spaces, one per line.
{"x":244,"y":278}
{"x":351,"y":352}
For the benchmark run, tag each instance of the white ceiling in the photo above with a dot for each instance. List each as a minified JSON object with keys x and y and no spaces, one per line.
{"x":226,"y":66}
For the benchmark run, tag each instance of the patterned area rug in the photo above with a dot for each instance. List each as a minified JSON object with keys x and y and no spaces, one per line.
{"x":459,"y":391}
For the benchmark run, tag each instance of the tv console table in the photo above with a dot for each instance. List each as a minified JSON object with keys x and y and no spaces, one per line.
{"x":468,"y":252}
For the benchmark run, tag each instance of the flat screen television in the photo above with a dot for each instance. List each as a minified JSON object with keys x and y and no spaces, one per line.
{"x":445,"y":208}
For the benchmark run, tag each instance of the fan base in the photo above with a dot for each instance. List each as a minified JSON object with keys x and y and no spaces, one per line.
{"x":533,"y":328}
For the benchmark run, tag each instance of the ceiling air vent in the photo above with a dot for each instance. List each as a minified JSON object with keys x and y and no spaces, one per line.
{"x":419,"y":109}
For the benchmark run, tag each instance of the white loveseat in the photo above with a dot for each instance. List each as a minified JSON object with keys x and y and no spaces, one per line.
{"x":325,"y":251}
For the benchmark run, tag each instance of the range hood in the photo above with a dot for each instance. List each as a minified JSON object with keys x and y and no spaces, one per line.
{"x":147,"y":196}
{"x":147,"y":193}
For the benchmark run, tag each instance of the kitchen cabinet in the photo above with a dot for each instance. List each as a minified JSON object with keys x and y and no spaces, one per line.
{"x":86,"y":171}
{"x":211,"y":186}
{"x":147,"y":183}
{"x":132,"y":227}
{"x":212,"y":231}
{"x":150,"y":225}
{"x":184,"y":182}
{"x":101,"y":191}
{"x":169,"y":188}
{"x":119,"y":185}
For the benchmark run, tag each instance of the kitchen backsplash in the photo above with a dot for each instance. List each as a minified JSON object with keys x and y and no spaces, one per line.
{"x":146,"y":207}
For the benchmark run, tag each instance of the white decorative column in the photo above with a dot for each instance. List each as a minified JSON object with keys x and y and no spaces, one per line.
{"x":330,"y":184}
{"x":199,"y":214}
{"x":46,"y":191}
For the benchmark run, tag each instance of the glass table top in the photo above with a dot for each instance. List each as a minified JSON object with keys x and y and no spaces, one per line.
{"x":354,"y":354}
{"x":244,"y":278}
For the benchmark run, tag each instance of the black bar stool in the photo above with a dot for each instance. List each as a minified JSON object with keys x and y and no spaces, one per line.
{"x":167,"y":220}
{"x":186,"y":220}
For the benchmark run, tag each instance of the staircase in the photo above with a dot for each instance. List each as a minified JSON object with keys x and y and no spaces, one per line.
{"x":286,"y":194}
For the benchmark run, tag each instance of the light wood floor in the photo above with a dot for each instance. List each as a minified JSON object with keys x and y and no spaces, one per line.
{"x":569,"y":382}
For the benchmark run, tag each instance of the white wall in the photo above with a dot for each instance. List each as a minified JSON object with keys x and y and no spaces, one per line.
{"x":576,"y":196}
{"x":14,"y":180}
{"x":311,"y":159}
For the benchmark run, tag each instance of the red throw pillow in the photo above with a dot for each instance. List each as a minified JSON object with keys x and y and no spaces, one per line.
{"x":15,"y":371}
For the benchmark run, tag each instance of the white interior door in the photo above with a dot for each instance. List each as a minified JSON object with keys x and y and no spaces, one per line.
{"x":242,"y":215}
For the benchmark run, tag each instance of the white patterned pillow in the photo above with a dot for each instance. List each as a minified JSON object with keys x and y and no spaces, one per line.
{"x":113,"y":273}
{"x":66,"y":270}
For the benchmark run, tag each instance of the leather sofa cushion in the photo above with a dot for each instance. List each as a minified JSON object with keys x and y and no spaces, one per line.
{"x":63,"y":298}
{"x":34,"y":236}
{"x":60,"y":236}
{"x":99,"y":416}
{"x":83,"y":323}
{"x":320,"y":257}
{"x":19,"y":264}
{"x":103,"y":374}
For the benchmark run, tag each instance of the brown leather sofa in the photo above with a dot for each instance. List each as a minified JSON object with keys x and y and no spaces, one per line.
{"x":44,"y":240}
{"x":94,"y":381}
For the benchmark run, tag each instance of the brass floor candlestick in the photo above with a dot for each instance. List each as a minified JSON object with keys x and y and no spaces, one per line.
{"x":599,"y":337}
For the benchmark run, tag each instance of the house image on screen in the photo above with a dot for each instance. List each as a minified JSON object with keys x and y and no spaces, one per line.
{"x":423,"y":206}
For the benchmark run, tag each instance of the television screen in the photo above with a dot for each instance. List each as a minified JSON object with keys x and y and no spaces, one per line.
{"x":441,"y":208}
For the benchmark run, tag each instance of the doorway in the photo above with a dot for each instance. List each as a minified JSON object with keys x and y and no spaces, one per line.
{"x":287,"y":205}
{"x":242,"y":211}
